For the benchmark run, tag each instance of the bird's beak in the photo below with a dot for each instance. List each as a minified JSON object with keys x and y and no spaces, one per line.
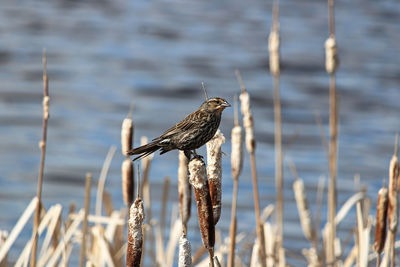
{"x":225,"y":104}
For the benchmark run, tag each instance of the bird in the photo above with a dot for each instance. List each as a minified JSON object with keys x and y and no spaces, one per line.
{"x":191,"y":133}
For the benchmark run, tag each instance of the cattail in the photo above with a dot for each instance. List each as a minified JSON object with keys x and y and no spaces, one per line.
{"x":185,"y":251}
{"x":184,"y":190}
{"x":237,"y":151}
{"x":135,"y":233}
{"x":214,"y":171}
{"x":126,"y":136}
{"x":273,"y":47}
{"x":198,"y":179}
{"x":128,"y":181}
{"x":303,"y":209}
{"x":247,"y":121}
{"x":381,"y":213}
{"x":331,"y":55}
{"x":251,"y":146}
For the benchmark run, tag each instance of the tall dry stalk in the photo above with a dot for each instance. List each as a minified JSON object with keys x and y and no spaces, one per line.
{"x":331,"y":64}
{"x":82,"y":254}
{"x":236,"y":164}
{"x":273,"y":47}
{"x":42,"y":145}
{"x":214,"y":172}
{"x":251,"y":146}
{"x":184,"y":190}
{"x":198,"y":179}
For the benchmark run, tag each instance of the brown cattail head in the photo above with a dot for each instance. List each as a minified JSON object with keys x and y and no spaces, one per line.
{"x":303,"y":209}
{"x":135,"y":233}
{"x":198,"y":179}
{"x":185,"y":251}
{"x":331,"y":55}
{"x":214,"y":171}
{"x":247,"y":121}
{"x":393,"y":198}
{"x":184,"y":189}
{"x":126,"y":136}
{"x":381,"y":213}
{"x":128,"y":181}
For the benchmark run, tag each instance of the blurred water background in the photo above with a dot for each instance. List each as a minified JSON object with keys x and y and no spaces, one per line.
{"x":103,"y":55}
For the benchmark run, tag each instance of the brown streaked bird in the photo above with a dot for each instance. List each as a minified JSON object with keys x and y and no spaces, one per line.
{"x":191,"y":133}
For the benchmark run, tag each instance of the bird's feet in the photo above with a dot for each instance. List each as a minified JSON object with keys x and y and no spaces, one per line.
{"x":189,"y":153}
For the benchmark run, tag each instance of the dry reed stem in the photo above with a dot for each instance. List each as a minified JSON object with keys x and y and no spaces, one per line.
{"x":184,"y":190}
{"x":198,"y":179}
{"x":145,"y":191}
{"x":128,"y":181}
{"x":250,"y":146}
{"x":331,"y":66}
{"x":85,"y":219}
{"x":65,"y":240}
{"x":214,"y":172}
{"x":18,"y":228}
{"x":274,"y":58}
{"x":381,"y":217}
{"x":304,"y":212}
{"x":185,"y":251}
{"x":102,"y":179}
{"x":126,"y":136}
{"x":236,"y":165}
{"x":3,"y":238}
{"x":42,"y":145}
{"x":231,"y":257}
{"x":270,"y":241}
{"x":135,"y":233}
{"x":51,"y":217}
{"x":167,"y":181}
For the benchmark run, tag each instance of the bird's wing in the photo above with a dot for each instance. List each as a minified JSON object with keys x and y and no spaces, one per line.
{"x":186,"y":124}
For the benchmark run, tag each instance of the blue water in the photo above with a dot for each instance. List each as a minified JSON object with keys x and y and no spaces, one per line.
{"x":104,"y":55}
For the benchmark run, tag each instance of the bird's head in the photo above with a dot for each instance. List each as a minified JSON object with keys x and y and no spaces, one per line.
{"x":215,"y":104}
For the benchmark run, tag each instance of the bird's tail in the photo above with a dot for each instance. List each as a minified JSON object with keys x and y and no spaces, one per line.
{"x":144,"y":150}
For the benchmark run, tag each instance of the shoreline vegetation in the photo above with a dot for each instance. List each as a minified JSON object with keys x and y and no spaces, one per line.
{"x":130,"y":236}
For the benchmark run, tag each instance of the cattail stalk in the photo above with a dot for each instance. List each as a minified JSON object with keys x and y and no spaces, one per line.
{"x":167,"y":182}
{"x":214,"y":171}
{"x":82,"y":254}
{"x":42,"y":145}
{"x":236,"y":164}
{"x":250,"y":146}
{"x":135,"y":233}
{"x":184,"y":190}
{"x":274,"y":56}
{"x":185,"y":251}
{"x":381,"y":217}
{"x":331,"y":66}
{"x":198,"y":179}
